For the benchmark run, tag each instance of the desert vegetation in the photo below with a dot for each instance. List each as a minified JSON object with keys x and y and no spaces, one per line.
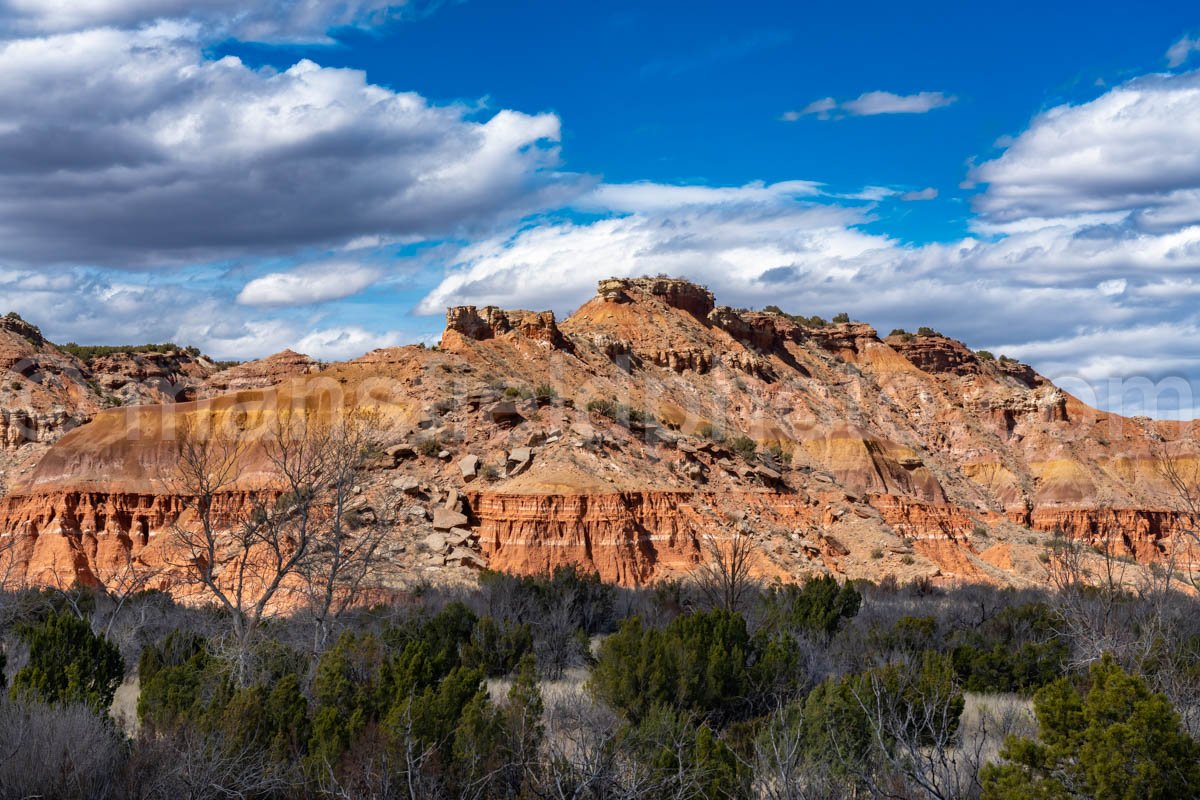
{"x":562,"y":686}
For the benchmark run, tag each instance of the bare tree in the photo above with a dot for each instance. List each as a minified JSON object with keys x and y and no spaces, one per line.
{"x":724,"y":580}
{"x":915,"y":730}
{"x":299,"y":543}
{"x":782,"y":768}
{"x":347,"y":554}
{"x":1183,"y":497}
{"x":187,"y":764}
{"x":61,"y":751}
{"x":241,"y":559}
{"x":578,"y":748}
{"x":120,"y":583}
{"x":1091,"y":597}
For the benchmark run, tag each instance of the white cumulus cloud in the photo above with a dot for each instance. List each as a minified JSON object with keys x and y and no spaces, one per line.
{"x":131,"y":148}
{"x":1130,"y":153}
{"x":315,"y":283}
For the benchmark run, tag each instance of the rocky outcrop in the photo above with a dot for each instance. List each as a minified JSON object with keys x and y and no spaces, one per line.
{"x":492,"y":322}
{"x":936,"y":354}
{"x":681,"y":294}
{"x":12,"y":324}
{"x":259,"y":374}
{"x":1006,"y":411}
{"x":756,"y":331}
{"x":20,"y":426}
{"x":846,"y":339}
{"x":133,"y":378}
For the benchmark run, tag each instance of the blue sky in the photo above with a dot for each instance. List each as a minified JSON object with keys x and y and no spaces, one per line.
{"x":327,"y":176}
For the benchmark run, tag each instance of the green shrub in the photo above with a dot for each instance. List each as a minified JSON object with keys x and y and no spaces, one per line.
{"x":603,"y":407}
{"x":841,"y":319}
{"x":1118,"y":740}
{"x":839,"y":723}
{"x":820,"y":606}
{"x":744,"y":446}
{"x":1018,"y":650}
{"x":620,"y":413}
{"x":701,"y":663}
{"x":86,"y":353}
{"x":69,"y":664}
{"x":925,"y":330}
{"x":985,"y":355}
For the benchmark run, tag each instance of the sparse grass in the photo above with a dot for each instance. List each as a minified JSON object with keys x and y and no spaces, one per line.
{"x":620,"y":413}
{"x":907,"y":560}
{"x":991,"y":718}
{"x":781,"y":455}
{"x":429,"y":446}
{"x":744,"y":446}
{"x":877,"y":553}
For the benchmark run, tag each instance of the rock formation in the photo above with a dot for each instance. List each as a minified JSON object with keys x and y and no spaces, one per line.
{"x":670,"y":421}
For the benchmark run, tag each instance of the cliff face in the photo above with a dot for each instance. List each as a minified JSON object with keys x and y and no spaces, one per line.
{"x":672,"y":423}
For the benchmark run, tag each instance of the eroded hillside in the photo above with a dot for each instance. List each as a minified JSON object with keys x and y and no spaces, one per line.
{"x":627,"y":435}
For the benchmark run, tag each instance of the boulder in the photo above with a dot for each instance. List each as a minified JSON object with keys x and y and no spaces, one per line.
{"x":469,"y":466}
{"x":400,"y":452}
{"x":465,"y":557}
{"x":445,"y":518}
{"x":435,"y":542}
{"x":768,"y":473}
{"x":458,"y":537}
{"x":407,"y":484}
{"x":505,"y":413}
{"x":518,"y":460}
{"x":584,"y":431}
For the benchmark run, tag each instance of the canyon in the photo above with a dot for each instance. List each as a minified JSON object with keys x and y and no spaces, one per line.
{"x":625,"y":439}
